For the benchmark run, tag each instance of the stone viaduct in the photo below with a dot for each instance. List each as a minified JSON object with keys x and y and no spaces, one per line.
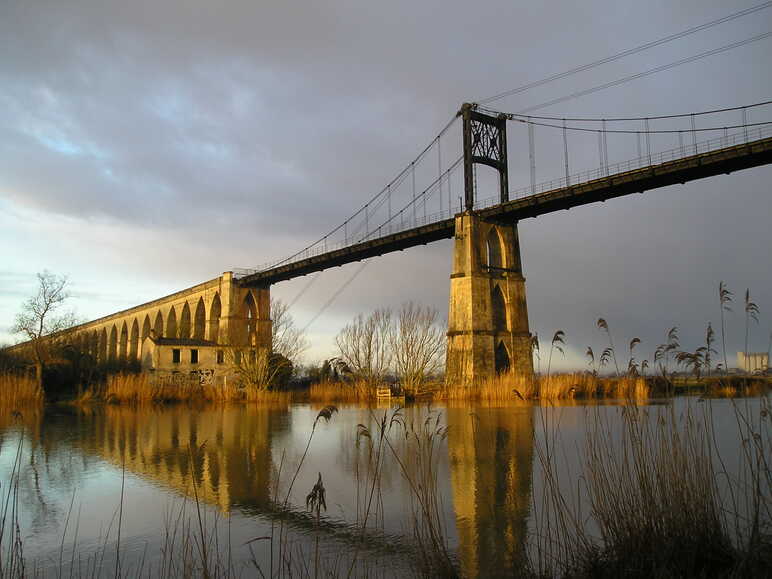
{"x":218,"y":311}
{"x":487,"y":315}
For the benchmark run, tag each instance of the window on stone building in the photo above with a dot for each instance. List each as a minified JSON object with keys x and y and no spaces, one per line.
{"x":220,"y":357}
{"x":194,"y":356}
{"x":175,"y":356}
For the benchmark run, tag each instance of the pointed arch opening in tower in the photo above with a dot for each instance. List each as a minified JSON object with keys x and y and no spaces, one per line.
{"x":498,"y":310}
{"x":249,"y":314}
{"x":494,"y":249}
{"x":214,"y":318}
{"x":199,"y":320}
{"x":502,"y":358}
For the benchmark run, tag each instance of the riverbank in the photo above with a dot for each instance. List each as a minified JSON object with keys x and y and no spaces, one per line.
{"x":137,"y":388}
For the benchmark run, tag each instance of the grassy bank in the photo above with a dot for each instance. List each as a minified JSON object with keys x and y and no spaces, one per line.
{"x":509,"y":387}
{"x":342,"y":392}
{"x":143,"y":389}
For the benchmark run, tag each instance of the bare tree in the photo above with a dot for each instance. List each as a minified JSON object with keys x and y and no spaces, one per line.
{"x":364,"y":345}
{"x":41,"y":316}
{"x":417,"y":343}
{"x":286,"y":338}
{"x":258,"y":369}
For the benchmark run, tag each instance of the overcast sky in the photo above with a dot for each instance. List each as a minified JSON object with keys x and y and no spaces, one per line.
{"x":148,"y":146}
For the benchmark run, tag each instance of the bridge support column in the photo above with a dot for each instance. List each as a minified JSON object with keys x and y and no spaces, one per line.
{"x":263,"y":324}
{"x":245,"y":318}
{"x":487,"y":318}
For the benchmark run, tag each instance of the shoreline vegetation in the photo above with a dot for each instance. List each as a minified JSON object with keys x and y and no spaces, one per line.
{"x":136,"y":388}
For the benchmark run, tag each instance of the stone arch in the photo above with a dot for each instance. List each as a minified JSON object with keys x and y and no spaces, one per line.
{"x":184,"y":323}
{"x":145,"y":328}
{"x":199,"y":320}
{"x":123,"y":341}
{"x":494,"y":249}
{"x":158,"y":325}
{"x":134,"y":340}
{"x":215,"y":310}
{"x":171,"y":324}
{"x":94,"y":346}
{"x":249,"y":315}
{"x":502,"y":358}
{"x":112,"y":343}
{"x":103,"y":346}
{"x":498,"y":309}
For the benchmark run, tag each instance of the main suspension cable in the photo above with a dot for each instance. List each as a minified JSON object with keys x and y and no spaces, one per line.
{"x":625,"y":53}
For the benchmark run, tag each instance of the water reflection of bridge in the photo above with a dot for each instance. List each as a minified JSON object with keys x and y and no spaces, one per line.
{"x":227,"y":451}
{"x":224,"y":451}
{"x":491,"y":454}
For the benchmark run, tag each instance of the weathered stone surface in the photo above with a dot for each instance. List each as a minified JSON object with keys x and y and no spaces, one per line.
{"x":219,"y":311}
{"x":488,"y":317}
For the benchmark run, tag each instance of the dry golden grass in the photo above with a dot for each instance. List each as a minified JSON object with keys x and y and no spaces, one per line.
{"x":654,"y":487}
{"x":562,"y":386}
{"x":505,"y":387}
{"x":357,"y":391}
{"x":19,"y":391}
{"x":141,"y":388}
{"x":510,"y":387}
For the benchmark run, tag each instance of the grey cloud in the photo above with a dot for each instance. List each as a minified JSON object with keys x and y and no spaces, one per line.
{"x":202,"y":136}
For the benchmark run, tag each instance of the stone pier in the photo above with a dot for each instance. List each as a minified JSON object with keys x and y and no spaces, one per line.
{"x":487,"y":319}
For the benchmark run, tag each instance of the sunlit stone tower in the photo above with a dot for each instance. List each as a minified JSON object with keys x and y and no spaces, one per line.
{"x":487,"y":317}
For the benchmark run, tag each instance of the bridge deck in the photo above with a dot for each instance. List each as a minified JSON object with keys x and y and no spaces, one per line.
{"x":708,"y":164}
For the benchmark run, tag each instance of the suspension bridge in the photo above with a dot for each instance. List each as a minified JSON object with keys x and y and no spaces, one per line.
{"x":750,"y":146}
{"x":488,"y":322}
{"x":441,"y":194}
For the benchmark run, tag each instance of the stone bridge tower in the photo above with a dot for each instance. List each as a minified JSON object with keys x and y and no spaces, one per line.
{"x":487,"y":317}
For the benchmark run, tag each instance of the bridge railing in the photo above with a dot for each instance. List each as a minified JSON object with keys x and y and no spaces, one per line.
{"x":681,"y":152}
{"x":406,"y":223}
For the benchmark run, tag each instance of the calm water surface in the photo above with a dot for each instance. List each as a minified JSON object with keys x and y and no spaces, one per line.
{"x":238,"y":461}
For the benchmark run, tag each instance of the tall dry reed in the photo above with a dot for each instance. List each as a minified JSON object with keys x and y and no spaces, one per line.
{"x":504,"y":387}
{"x":583,"y":385}
{"x":141,"y":388}
{"x":355,"y":391}
{"x":17,"y":391}
{"x":509,"y":387}
{"x":660,"y":498}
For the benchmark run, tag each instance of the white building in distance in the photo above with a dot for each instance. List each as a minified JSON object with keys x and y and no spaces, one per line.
{"x":753,"y":362}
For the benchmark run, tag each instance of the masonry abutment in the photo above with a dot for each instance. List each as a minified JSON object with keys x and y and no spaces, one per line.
{"x":487,"y":317}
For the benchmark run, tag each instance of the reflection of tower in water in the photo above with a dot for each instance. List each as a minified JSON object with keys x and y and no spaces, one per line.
{"x":226,"y":450}
{"x":491,"y":454}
